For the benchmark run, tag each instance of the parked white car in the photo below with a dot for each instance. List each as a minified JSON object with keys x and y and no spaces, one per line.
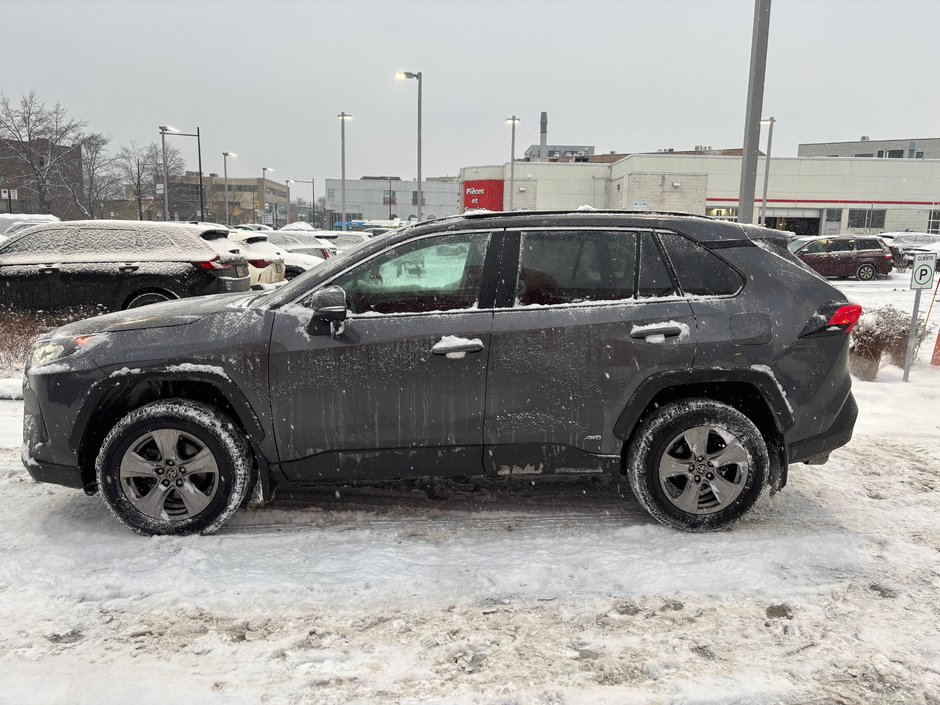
{"x":302,"y":243}
{"x":265,"y":261}
{"x":290,"y":263}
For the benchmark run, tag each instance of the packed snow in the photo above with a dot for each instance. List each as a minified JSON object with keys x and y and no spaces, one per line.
{"x":504,"y":593}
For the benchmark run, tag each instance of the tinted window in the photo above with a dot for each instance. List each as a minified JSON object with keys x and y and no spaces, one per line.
{"x":654,"y":278}
{"x":434,"y":274}
{"x":816,"y":247}
{"x":867,"y":245}
{"x":700,"y":272}
{"x":560,"y":267}
{"x":841,"y":245}
{"x":42,"y":243}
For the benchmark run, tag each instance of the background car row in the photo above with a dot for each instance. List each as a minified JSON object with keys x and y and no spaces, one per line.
{"x":112,"y":265}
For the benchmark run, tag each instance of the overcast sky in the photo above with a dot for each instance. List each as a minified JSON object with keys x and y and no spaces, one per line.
{"x":266,"y":79}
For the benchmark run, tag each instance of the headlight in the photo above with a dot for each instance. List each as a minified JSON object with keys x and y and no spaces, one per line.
{"x":49,"y":351}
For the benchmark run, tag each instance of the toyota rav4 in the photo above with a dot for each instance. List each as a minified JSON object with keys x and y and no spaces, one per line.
{"x":696,"y":358}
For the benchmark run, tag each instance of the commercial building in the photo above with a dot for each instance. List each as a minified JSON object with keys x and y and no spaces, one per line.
{"x":544,"y":152}
{"x":911,"y":148}
{"x":19,"y":163}
{"x":391,"y":197}
{"x":807,"y":195}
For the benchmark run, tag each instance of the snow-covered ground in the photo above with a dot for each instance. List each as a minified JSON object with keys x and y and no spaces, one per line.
{"x":828,"y":593}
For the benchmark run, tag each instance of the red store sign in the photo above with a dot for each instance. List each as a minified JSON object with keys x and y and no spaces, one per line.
{"x":484,"y":193}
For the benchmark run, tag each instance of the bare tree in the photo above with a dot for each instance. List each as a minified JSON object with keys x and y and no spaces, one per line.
{"x":42,"y":141}
{"x":99,"y":179}
{"x":141,"y":169}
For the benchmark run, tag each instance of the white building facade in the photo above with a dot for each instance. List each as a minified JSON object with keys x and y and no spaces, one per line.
{"x":807,"y":195}
{"x":387,"y":198}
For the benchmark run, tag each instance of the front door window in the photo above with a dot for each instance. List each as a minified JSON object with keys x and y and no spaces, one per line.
{"x":433,"y":274}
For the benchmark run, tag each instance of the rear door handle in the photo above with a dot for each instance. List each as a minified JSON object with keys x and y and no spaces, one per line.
{"x":48,"y":270}
{"x":656,"y":333}
{"x":129,"y":267}
{"x":452,"y":346}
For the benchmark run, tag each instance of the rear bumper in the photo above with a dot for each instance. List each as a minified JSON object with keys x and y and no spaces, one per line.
{"x":54,"y":474}
{"x":836,"y":436}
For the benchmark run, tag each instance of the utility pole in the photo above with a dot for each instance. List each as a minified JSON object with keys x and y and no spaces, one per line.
{"x":752,"y":116}
{"x":343,"y":117}
{"x":512,"y":159}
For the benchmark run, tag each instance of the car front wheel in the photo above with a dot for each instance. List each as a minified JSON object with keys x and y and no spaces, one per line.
{"x":173,"y":467}
{"x":697,"y":465}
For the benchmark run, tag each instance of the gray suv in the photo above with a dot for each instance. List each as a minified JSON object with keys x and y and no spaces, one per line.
{"x":697,"y":358}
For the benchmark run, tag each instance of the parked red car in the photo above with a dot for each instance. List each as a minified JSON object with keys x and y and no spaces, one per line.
{"x":862,"y":257}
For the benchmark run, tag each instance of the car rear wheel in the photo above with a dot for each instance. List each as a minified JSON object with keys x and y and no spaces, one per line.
{"x":866,"y":272}
{"x":173,"y":467}
{"x":697,"y":465}
{"x":146,"y":298}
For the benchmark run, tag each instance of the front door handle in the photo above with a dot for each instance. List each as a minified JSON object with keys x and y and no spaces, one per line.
{"x":455,"y":347}
{"x":48,"y":270}
{"x":129,"y":267}
{"x":657,"y":332}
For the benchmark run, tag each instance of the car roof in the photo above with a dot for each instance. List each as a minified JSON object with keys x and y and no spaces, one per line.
{"x":705,"y":228}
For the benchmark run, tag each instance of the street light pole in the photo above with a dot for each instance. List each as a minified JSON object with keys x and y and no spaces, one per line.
{"x":512,"y":159}
{"x":225,"y":156}
{"x":166,"y":180}
{"x":419,"y":76}
{"x":288,"y":182}
{"x":755,"y":100}
{"x":343,"y":117}
{"x":264,"y":189}
{"x":202,"y":200}
{"x":770,"y":136}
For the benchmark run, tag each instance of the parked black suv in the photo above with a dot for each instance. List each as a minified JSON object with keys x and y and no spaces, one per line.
{"x":114,"y":265}
{"x":696,"y":357}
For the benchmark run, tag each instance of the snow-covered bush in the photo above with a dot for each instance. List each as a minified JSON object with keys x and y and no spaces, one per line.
{"x":881,"y":338}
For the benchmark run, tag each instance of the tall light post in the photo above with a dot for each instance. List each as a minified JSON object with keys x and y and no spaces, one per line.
{"x":264,"y":189}
{"x":166,"y":180}
{"x":225,"y":156}
{"x":343,"y":117}
{"x":512,"y":159}
{"x":313,"y":194}
{"x":402,"y":75}
{"x":287,"y":217}
{"x":164,"y":129}
{"x":755,"y":101}
{"x":770,"y":136}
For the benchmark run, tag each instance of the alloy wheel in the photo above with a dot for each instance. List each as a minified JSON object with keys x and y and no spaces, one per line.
{"x":169,"y":474}
{"x":703,"y":469}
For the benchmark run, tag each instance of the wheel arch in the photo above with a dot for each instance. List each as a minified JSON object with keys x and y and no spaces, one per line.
{"x":754,"y":393}
{"x":117,"y":396}
{"x":128,"y":298}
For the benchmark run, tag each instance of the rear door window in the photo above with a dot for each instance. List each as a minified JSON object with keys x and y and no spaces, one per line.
{"x":654,"y":278}
{"x":576,"y":266}
{"x":700,"y":271}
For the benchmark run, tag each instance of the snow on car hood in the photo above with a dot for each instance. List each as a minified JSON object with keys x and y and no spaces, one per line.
{"x":179,"y":312}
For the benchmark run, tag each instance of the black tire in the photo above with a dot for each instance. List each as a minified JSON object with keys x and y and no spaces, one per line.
{"x":292,"y":272}
{"x":194,"y":426}
{"x":146,"y":298}
{"x":659,"y":432}
{"x":866,"y":272}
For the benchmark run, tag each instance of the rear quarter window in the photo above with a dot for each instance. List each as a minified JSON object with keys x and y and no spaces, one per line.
{"x":700,"y":272}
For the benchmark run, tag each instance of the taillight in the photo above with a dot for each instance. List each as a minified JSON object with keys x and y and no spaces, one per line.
{"x":260,"y":263}
{"x":888,"y":255}
{"x":845,"y":317}
{"x":832,"y":319}
{"x":214,"y":264}
{"x":325,"y":253}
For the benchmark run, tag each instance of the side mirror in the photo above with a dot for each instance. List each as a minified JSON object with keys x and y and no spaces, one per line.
{"x":328,"y":311}
{"x":329,"y":304}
